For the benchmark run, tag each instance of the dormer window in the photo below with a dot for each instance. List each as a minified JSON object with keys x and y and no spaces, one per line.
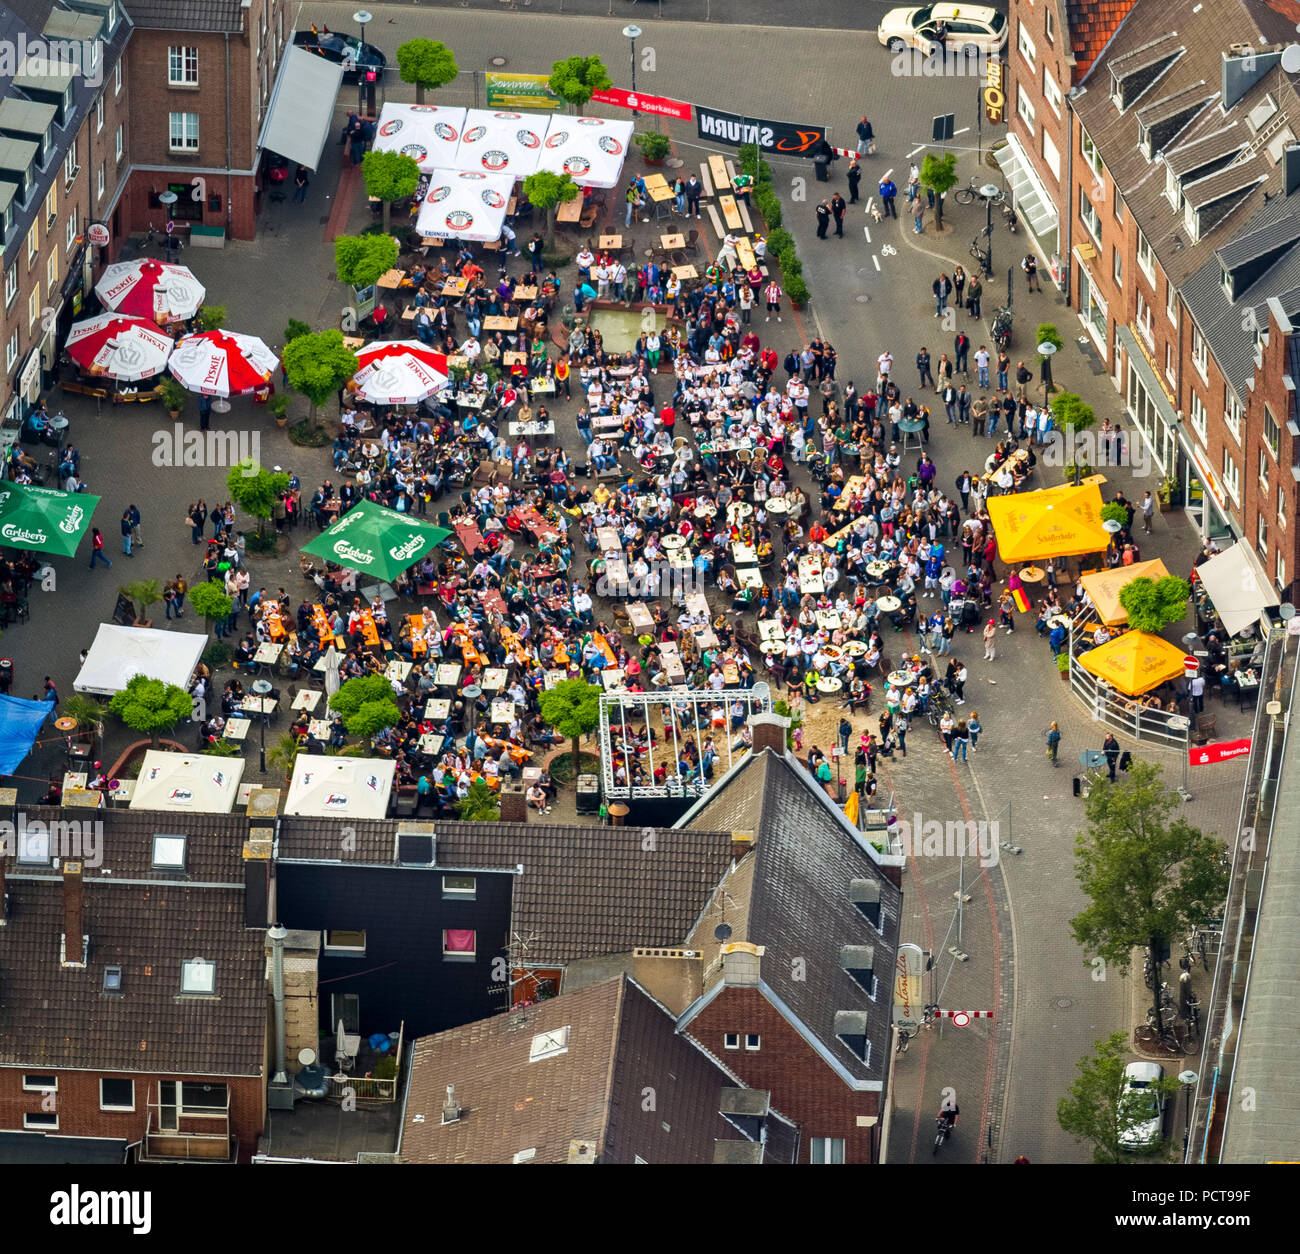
{"x":858,"y":962}
{"x":112,"y":981}
{"x":198,"y":977}
{"x":1225,"y":281}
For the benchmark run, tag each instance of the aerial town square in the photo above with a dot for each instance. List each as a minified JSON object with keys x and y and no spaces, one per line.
{"x":693,"y":583}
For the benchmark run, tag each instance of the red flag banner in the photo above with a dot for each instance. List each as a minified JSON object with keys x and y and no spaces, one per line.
{"x":1220,"y":751}
{"x":659,"y":105}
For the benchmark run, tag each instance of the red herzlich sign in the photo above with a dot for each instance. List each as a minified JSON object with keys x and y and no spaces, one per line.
{"x":1207,"y":755}
{"x":646,"y":104}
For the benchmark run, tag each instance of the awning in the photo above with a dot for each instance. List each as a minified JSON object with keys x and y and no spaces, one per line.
{"x":1031,"y":197}
{"x":301,"y":113}
{"x":1240,"y":590}
{"x":1156,"y":390}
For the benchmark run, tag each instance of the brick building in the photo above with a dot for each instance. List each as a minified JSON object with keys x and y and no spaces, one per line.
{"x":64,"y":118}
{"x":1170,"y":160}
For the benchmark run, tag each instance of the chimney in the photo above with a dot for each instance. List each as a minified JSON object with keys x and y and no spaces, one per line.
{"x":514,"y":805}
{"x":1291,"y":168}
{"x":741,"y":844}
{"x":769,"y":732}
{"x":451,"y":1108}
{"x":257,"y":877}
{"x":74,"y":916}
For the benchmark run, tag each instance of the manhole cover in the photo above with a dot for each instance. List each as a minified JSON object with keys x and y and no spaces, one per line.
{"x":862,"y":298}
{"x":674,"y":163}
{"x":1062,"y":1003}
{"x":498,"y":61}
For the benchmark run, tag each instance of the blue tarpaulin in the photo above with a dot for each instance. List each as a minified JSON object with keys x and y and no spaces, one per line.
{"x":20,"y":724}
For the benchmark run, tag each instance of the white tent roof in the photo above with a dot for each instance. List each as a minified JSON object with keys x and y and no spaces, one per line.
{"x":462,"y":204}
{"x":591,"y":150}
{"x":501,"y":143}
{"x":1238,"y":587}
{"x":189,"y":782}
{"x":325,"y":787}
{"x":121,"y":653}
{"x":428,"y":133}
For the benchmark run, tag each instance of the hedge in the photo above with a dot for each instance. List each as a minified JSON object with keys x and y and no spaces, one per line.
{"x":778,"y":241}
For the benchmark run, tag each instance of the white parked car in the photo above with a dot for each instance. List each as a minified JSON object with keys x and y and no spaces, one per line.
{"x":969,"y":26}
{"x":1139,"y":1079}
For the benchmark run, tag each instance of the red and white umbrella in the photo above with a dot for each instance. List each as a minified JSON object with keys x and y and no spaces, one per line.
{"x":151,"y":289}
{"x":223,"y":363}
{"x":118,"y":347}
{"x":399,"y":372}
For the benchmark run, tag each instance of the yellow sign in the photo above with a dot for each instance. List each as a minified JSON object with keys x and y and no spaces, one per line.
{"x":995,"y":96}
{"x":521,"y":91}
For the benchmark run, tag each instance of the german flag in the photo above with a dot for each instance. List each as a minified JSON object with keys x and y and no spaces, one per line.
{"x":1022,"y":601}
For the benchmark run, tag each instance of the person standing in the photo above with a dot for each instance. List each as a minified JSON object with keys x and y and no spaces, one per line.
{"x":97,"y":548}
{"x":854,"y":177}
{"x":865,"y":136}
{"x":823,"y":219}
{"x":772,"y":296}
{"x":982,"y":365}
{"x":136,"y":542}
{"x":1197,"y":688}
{"x":960,"y":739}
{"x":923,"y":367}
{"x":888,"y":194}
{"x":300,"y":182}
{"x":1148,"y":511}
{"x":838,"y":206}
{"x":126,"y":533}
{"x":959,"y":286}
{"x":1030,"y":266}
{"x":961,"y":350}
{"x":974,"y":290}
{"x":1110,"y":747}
{"x":942,"y":289}
{"x":974,"y":727}
{"x":694,"y":190}
{"x":1053,"y":742}
{"x":918,"y":214}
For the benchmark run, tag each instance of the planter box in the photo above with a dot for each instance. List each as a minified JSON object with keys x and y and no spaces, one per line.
{"x":207,"y":236}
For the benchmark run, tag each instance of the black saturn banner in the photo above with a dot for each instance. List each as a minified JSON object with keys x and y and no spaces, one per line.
{"x":790,"y":138}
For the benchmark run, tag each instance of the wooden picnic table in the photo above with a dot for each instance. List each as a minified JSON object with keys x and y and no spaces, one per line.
{"x":685,"y":272}
{"x":655,"y":180}
{"x":455,"y":287}
{"x":525,"y":292}
{"x":672,"y":241}
{"x":498,"y":323}
{"x":570,"y":211}
{"x":514,"y":358}
{"x":610,"y":241}
{"x":718,"y":172}
{"x":660,"y":192}
{"x":391,"y":279}
{"x":730,"y":214}
{"x":745,"y":251}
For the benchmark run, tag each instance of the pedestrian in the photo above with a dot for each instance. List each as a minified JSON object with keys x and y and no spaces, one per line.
{"x":1053,"y":742}
{"x":923,"y":367}
{"x":1004,"y":369}
{"x":918,"y":213}
{"x":960,"y":739}
{"x":1030,"y":266}
{"x":982,"y":365}
{"x":974,"y":726}
{"x":959,"y":683}
{"x":942,"y":289}
{"x":772,"y":297}
{"x":845,"y":730}
{"x":900,"y":732}
{"x":97,"y":548}
{"x":300,"y":184}
{"x":958,"y":286}
{"x":854,"y":177}
{"x":1110,"y":747}
{"x":838,"y":206}
{"x":694,"y":190}
{"x":990,"y":640}
{"x":947,"y":729}
{"x":961,"y":351}
{"x":865,"y":137}
{"x":1148,"y":510}
{"x":1024,"y":377}
{"x":136,"y":542}
{"x":126,"y":533}
{"x":1197,"y":688}
{"x":974,"y":290}
{"x":888,"y":194}
{"x":823,"y":218}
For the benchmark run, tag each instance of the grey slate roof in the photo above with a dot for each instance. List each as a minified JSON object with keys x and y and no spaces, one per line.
{"x":198,"y":15}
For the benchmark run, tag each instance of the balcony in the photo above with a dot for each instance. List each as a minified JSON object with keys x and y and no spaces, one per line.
{"x":182,"y":1137}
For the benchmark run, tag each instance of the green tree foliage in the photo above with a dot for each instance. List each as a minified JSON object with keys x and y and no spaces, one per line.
{"x":1049,"y":333}
{"x":318,"y":364}
{"x":389,"y":176}
{"x":212,"y":317}
{"x":1152,"y":604}
{"x":209,"y":599}
{"x":367,"y":705}
{"x":479,"y":805}
{"x":426,"y":63}
{"x":151,"y":706}
{"x":1069,"y":410}
{"x":548,"y":192}
{"x":361,"y":259}
{"x":295,"y":329}
{"x":939,"y":174}
{"x":572,"y":707}
{"x":142,"y":593}
{"x":575,"y":79}
{"x":256,"y":490}
{"x":1101,"y":1109}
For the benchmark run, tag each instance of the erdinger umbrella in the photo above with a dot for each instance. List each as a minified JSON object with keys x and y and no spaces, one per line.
{"x":376,"y":541}
{"x":399,"y":372}
{"x":590,"y":150}
{"x":1135,"y":662}
{"x":494,"y":142}
{"x":1054,"y":522}
{"x":223,"y":363}
{"x":151,"y":289}
{"x":461,"y":204}
{"x":44,"y":520}
{"x":428,"y":134}
{"x":119,"y":347}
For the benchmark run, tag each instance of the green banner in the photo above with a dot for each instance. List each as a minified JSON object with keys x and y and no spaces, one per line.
{"x":521,"y":91}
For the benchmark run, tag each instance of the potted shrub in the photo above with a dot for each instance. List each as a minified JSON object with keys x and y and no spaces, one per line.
{"x":1063,"y":665}
{"x":174,"y":397}
{"x":654,"y":145}
{"x":1113,"y":511}
{"x":797,"y":290}
{"x":1165,"y":494}
{"x":142,"y":594}
{"x":279,"y":406}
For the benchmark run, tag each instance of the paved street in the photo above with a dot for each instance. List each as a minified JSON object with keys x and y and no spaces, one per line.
{"x":1008,"y":1074}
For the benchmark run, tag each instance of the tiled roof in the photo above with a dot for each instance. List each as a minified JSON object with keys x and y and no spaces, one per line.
{"x":1092,"y":23}
{"x":199,"y":15}
{"x":619,"y":1043}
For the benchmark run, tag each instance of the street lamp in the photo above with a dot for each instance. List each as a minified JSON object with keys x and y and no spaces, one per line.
{"x":361,"y":17}
{"x":167,"y":199}
{"x":1045,"y":350}
{"x":262,"y":689}
{"x":1188,"y":1080}
{"x":988,"y":191}
{"x":633,"y":32}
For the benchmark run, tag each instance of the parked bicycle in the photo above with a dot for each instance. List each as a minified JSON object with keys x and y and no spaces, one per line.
{"x":971,"y":193}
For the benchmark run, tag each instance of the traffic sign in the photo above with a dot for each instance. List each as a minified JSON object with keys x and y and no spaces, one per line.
{"x":961,"y":1018}
{"x":1191,"y":664}
{"x":941,"y":128}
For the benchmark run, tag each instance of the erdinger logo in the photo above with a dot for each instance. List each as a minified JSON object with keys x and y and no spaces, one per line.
{"x":514,"y":116}
{"x":527,"y":139}
{"x":391,"y":127}
{"x":460,"y":220}
{"x":556,"y":140}
{"x":494,"y":159}
{"x":443,"y":131}
{"x":591,"y":122}
{"x":576,"y":165}
{"x":607,"y":143}
{"x":471,"y":174}
{"x":493,"y":199}
{"x":474,"y":134}
{"x":417,"y":152}
{"x":436,"y":194}
{"x":423,"y":108}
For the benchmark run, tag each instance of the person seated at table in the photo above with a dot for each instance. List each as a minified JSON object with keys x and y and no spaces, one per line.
{"x":247,"y":647}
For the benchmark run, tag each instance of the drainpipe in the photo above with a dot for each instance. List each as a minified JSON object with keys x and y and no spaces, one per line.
{"x":276,"y":935}
{"x":229,"y":211}
{"x":1067,"y":254}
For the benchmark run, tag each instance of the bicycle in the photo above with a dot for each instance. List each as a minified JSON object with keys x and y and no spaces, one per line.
{"x":981,"y":255}
{"x":971,"y":192}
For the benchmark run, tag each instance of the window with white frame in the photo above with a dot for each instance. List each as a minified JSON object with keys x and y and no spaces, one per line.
{"x":1171,"y":366}
{"x":1232,"y":412}
{"x":117,"y":79}
{"x":33,"y":307}
{"x":1049,"y":23}
{"x":70,"y":166}
{"x":184,"y":132}
{"x":1171,"y":303}
{"x":117,"y":144}
{"x":1197,"y":413}
{"x":1051,"y":92}
{"x":70,"y":235}
{"x":1026,"y":46}
{"x":11,"y":285}
{"x":1281,"y":506}
{"x":826,"y":1149}
{"x":11,"y":351}
{"x":40,"y":1084}
{"x":1271,"y":433}
{"x":1261,"y":534}
{"x":1200,"y":354}
{"x":1146,"y":259}
{"x":731,"y":1040}
{"x":1231,"y":476}
{"x":1119,"y":206}
{"x":51,"y":206}
{"x":99,"y":182}
{"x":1117,"y":267}
{"x":1264,"y":465}
{"x":1051,"y":155}
{"x":52,"y":270}
{"x":1281,"y":569}
{"x":198,"y":977}
{"x":116,"y":1094}
{"x":345,"y":941}
{"x":45,"y":1120}
{"x":753,"y":1041}
{"x":1025,"y":106}
{"x":1089,"y":216}
{"x":1143,"y":320}
{"x":32,"y":245}
{"x":99,"y":115}
{"x":182,"y":66}
{"x":1088,"y":150}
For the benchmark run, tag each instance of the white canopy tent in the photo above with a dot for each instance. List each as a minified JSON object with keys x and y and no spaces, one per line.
{"x":1240,"y":590}
{"x":462,"y":204}
{"x":324,"y":787}
{"x":429,"y":134}
{"x":501,"y":143}
{"x":121,"y":653}
{"x":191,"y":783}
{"x":590,"y":150}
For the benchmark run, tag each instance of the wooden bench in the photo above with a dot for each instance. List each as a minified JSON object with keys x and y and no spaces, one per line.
{"x":717,"y":221}
{"x":85,"y":389}
{"x":718,"y":171}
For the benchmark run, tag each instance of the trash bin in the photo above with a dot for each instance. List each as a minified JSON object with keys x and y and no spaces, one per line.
{"x":822,"y":165}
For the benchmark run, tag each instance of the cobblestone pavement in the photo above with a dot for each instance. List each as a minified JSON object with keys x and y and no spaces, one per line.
{"x":1010,"y":1073}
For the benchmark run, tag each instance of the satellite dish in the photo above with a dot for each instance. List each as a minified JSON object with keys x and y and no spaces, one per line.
{"x":1291,"y":58}
{"x":1287,"y":611}
{"x":722,"y":932}
{"x":306,"y":1057}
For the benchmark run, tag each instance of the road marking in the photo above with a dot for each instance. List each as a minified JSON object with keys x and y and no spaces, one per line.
{"x":918,"y":148}
{"x":866,"y":209}
{"x":886,"y":174}
{"x":867,"y":231}
{"x":963,"y":131}
{"x":875,"y":261}
{"x":888,"y":250}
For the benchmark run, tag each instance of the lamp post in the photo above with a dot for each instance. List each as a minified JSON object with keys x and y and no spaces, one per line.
{"x":1188,"y":1080}
{"x":262,"y":689}
{"x":167,"y":199}
{"x":361,"y":17}
{"x":471,"y":693}
{"x":1046,"y":350}
{"x":633,"y":33}
{"x":988,"y":191}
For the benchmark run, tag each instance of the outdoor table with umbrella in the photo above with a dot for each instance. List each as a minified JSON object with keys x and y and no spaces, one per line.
{"x":117,"y":346}
{"x":399,"y":372}
{"x":151,"y":289}
{"x":376,"y":541}
{"x":223,"y":363}
{"x":1135,"y":662}
{"x":44,"y":520}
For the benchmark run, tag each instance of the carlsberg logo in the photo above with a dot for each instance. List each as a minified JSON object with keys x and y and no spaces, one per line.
{"x":73,"y":520}
{"x":352,"y":555}
{"x":407,"y":550}
{"x":20,"y":535}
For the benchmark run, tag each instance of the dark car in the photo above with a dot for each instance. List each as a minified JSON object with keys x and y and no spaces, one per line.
{"x":343,"y":50}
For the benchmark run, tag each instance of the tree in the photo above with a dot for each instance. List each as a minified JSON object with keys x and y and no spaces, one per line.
{"x":318,"y":364}
{"x":1049,"y":333}
{"x":572,"y":707}
{"x":940,"y":175}
{"x":256,"y":490}
{"x":427,"y":63}
{"x":149,"y":705}
{"x":389,"y":176}
{"x":212,"y":317}
{"x":1148,"y":879}
{"x":282,"y":753}
{"x":210,"y":600}
{"x":224,"y":748}
{"x":548,"y":192}
{"x":1152,"y":604}
{"x":1101,"y":1109}
{"x":1069,"y":410}
{"x":367,"y":705}
{"x":295,"y":329}
{"x":142,"y":593}
{"x":479,"y":805}
{"x":361,"y":259}
{"x":575,"y":79}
